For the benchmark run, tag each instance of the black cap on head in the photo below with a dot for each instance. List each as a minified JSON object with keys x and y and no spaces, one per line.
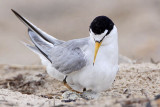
{"x":100,"y":24}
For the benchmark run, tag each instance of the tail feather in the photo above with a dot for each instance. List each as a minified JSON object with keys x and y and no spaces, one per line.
{"x":32,"y":48}
{"x":44,"y":60}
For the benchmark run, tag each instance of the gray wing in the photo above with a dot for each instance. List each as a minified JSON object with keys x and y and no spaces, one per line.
{"x":68,"y":57}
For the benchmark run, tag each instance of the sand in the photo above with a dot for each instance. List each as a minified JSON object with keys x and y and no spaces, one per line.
{"x":135,"y":84}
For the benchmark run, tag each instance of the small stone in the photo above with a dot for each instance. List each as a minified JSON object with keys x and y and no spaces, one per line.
{"x":69,"y":95}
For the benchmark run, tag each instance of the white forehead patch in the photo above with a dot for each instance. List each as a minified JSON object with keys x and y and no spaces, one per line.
{"x":98,"y":37}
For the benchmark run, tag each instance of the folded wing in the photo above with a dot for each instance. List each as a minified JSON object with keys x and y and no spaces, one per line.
{"x":68,"y":57}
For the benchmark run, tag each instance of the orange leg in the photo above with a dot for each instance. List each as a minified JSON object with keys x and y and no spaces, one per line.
{"x":65,"y":83}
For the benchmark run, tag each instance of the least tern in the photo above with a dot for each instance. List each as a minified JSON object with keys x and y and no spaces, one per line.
{"x":89,"y":63}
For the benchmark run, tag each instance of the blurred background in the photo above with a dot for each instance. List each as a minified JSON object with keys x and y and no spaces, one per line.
{"x":138,"y":23}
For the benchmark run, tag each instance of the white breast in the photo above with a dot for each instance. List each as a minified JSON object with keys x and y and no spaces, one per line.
{"x":100,"y":76}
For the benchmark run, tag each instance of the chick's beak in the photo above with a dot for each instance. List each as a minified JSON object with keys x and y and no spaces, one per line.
{"x":97,"y":45}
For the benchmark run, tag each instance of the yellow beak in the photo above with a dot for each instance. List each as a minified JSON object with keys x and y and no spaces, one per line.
{"x":97,"y":45}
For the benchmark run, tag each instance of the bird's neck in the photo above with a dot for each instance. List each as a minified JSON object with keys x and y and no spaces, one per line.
{"x":108,"y":51}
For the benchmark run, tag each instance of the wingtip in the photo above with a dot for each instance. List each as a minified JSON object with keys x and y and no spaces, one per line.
{"x":17,"y":14}
{"x":14,"y":11}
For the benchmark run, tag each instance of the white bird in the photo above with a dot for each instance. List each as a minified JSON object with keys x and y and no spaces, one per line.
{"x":74,"y":62}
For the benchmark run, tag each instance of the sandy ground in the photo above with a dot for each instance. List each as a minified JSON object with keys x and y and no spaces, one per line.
{"x":136,"y":85}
